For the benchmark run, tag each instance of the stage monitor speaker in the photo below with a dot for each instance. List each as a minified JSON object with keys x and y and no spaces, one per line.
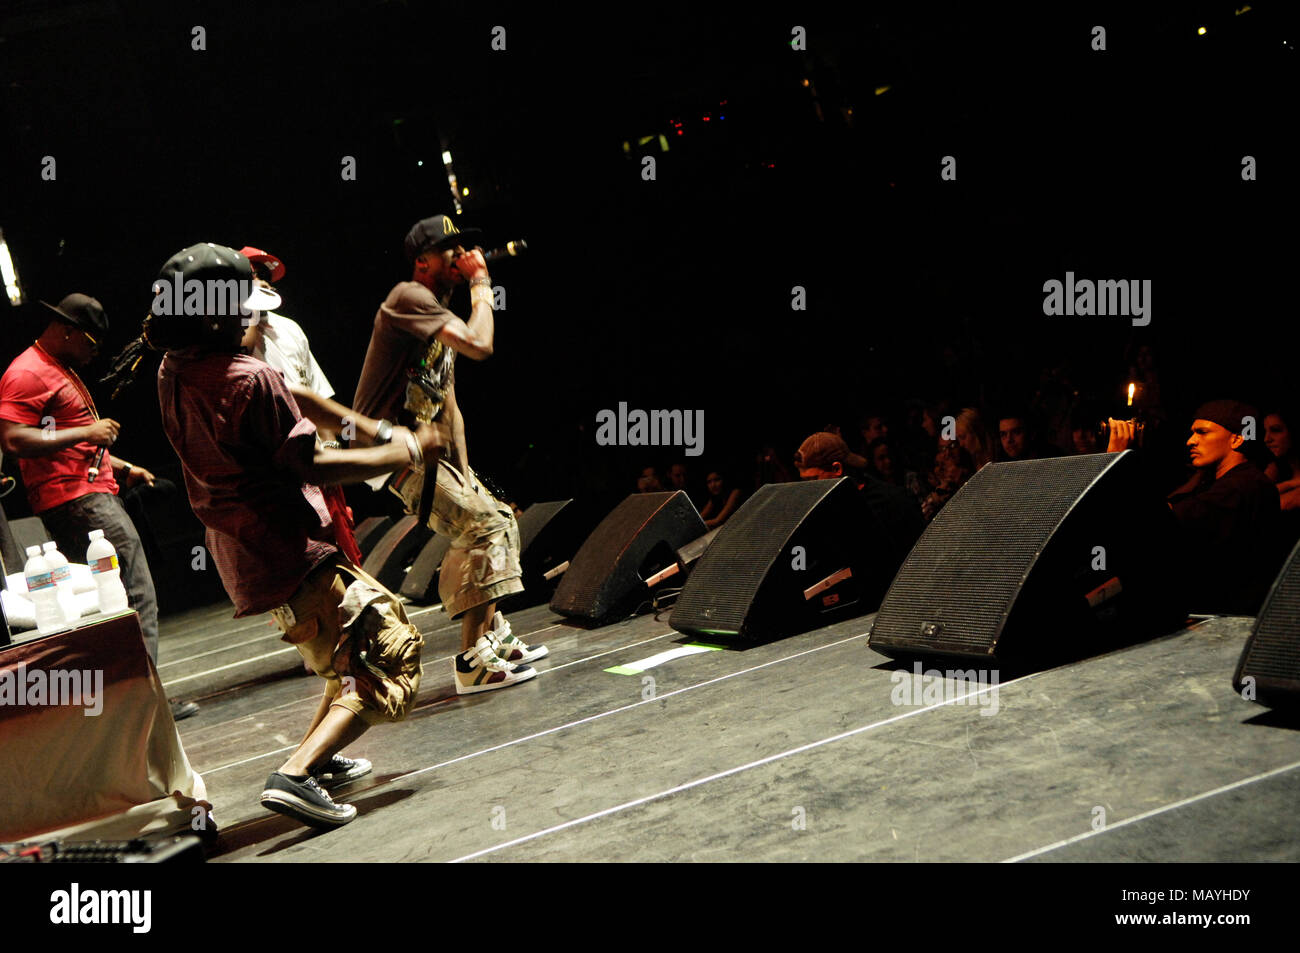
{"x":794,"y":557}
{"x":549,"y":536}
{"x":1038,"y":560}
{"x":607,"y":576}
{"x":395,"y":552}
{"x":370,"y":531}
{"x":1271,"y":658}
{"x":421,"y":583}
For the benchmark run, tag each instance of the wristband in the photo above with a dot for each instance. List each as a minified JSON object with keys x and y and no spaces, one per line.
{"x":384,"y":432}
{"x":413,"y":447}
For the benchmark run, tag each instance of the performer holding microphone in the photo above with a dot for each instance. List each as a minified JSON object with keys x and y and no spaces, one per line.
{"x":409,"y":377}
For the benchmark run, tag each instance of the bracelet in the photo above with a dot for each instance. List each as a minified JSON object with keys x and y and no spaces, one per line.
{"x":384,"y":432}
{"x":331,"y":445}
{"x":482,"y":281}
{"x":413,"y":447}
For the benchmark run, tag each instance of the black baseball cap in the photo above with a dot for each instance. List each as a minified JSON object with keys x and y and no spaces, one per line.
{"x":82,"y":311}
{"x":207,"y":261}
{"x":438,"y":232}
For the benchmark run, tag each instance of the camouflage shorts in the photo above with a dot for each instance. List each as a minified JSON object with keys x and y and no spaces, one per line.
{"x":482,"y":565}
{"x":354,"y":634}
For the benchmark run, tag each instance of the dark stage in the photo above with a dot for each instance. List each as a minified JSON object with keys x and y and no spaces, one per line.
{"x":787,"y":751}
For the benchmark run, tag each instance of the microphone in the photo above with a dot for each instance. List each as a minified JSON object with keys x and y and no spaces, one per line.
{"x":94,"y":466}
{"x":509,"y":250}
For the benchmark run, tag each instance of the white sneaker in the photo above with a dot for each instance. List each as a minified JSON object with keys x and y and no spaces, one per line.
{"x":480,"y":669}
{"x":509,"y":646}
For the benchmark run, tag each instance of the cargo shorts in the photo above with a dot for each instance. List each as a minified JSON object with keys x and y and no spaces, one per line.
{"x":353,"y":633}
{"x":482,"y":564}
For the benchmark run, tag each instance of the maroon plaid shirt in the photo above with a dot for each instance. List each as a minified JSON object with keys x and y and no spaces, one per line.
{"x":242,"y":443}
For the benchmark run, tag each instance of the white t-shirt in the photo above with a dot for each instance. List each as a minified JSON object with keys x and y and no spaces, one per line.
{"x":285,"y":347}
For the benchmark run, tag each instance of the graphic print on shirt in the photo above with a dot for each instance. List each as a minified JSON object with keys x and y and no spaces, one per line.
{"x":426,"y":389}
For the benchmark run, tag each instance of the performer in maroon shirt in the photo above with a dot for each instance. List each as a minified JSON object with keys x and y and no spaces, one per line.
{"x":253,"y":472}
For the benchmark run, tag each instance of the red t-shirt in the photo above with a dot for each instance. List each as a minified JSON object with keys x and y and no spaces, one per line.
{"x":242,"y":441}
{"x":38,"y":391}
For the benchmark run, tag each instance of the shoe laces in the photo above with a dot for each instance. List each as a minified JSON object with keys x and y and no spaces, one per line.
{"x":315,"y":786}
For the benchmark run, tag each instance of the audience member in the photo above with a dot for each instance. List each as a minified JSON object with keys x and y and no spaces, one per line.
{"x":1018,"y":440}
{"x":973,"y":437}
{"x":1228,"y":510}
{"x":649,"y":481}
{"x":722,"y":501}
{"x":822,"y":457}
{"x":953,"y":466}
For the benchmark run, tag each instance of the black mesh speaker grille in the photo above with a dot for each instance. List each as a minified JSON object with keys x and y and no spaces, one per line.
{"x":1272,"y":653}
{"x":604,"y":573}
{"x":535,"y":518}
{"x":420,"y":583}
{"x":956,"y":588}
{"x":723,"y":586}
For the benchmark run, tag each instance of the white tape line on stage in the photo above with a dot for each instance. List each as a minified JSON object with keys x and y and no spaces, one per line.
{"x":730,"y":771}
{"x":1152,"y":813}
{"x":623,"y":708}
{"x":225,"y":648}
{"x":636,"y":668}
{"x":222,"y":668}
{"x":316,"y":698}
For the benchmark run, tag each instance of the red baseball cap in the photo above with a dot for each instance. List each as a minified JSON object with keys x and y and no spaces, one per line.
{"x":257,"y":256}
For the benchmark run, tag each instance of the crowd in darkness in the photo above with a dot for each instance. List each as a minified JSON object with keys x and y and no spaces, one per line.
{"x":929,"y":448}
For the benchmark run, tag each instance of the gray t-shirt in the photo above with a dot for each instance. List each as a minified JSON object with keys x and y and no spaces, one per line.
{"x":405,"y":335}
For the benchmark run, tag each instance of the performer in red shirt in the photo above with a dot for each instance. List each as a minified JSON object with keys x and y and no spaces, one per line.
{"x":48,"y":420}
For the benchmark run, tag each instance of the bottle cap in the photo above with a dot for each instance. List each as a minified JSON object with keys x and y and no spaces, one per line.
{"x":96,"y":534}
{"x":50,"y":545}
{"x":33,"y":550}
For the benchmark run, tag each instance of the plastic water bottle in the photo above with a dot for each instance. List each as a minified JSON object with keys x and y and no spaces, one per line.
{"x":101,"y":557}
{"x":43,"y":592}
{"x":63,"y":582}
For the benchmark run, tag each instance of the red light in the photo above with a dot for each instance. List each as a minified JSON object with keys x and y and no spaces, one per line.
{"x":679,"y":132}
{"x":706,"y":118}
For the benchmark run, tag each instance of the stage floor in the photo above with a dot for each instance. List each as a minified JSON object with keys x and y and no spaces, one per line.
{"x":803,"y":749}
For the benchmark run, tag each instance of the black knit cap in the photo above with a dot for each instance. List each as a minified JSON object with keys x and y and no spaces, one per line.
{"x":1228,"y":414}
{"x":1231,"y":415}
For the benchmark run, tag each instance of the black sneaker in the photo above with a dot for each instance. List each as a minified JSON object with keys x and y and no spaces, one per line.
{"x":304,"y":801}
{"x":182,"y":709}
{"x":340,"y":770}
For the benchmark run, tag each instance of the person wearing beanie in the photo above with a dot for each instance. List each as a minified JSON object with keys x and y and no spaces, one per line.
{"x":1228,"y":510}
